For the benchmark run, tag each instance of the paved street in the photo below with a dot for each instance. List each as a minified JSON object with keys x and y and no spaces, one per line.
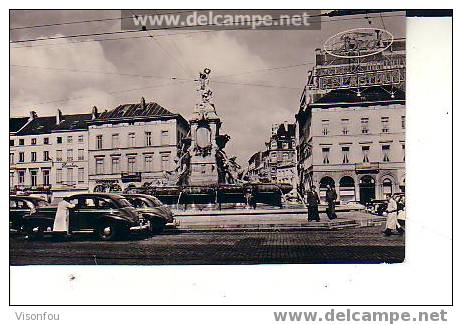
{"x":349,"y":245}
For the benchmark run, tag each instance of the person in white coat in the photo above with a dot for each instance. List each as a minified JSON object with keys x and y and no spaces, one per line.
{"x":61,"y":223}
{"x":392,"y":217}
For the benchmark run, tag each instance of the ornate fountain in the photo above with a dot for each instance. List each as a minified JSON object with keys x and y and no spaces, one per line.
{"x":204,"y":175}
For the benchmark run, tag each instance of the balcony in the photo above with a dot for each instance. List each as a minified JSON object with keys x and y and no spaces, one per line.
{"x":367,"y":168}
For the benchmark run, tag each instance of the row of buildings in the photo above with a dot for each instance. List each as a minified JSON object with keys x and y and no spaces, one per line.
{"x":62,"y":154}
{"x":350,"y":127}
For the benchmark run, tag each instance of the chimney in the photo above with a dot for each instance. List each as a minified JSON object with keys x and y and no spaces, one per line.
{"x":143,"y":103}
{"x":59,"y":116}
{"x":94,"y":113}
{"x":32,"y":115}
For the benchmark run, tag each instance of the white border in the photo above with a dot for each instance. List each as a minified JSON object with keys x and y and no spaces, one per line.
{"x":424,"y":278}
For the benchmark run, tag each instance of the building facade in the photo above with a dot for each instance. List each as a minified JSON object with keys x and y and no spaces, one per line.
{"x":279,"y":161}
{"x":133,"y":144}
{"x":49,"y":155}
{"x":351,"y":124}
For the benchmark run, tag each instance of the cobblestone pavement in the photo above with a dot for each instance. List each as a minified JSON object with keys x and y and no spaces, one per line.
{"x":356,"y":245}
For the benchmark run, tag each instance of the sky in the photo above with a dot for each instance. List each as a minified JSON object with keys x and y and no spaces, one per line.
{"x":257,"y":76}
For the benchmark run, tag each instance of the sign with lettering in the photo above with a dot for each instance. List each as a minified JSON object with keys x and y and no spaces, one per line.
{"x":358,"y":43}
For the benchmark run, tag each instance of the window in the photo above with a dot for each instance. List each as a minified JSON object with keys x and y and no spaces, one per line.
{"x":386,"y":153}
{"x":33,"y":141}
{"x":115,"y":141}
{"x":21,"y":157}
{"x":285,"y":157}
{"x":11,"y":158}
{"x":80,"y":175}
{"x":364,"y":125}
{"x":345,"y":126}
{"x":274,"y":157}
{"x":365,"y":150}
{"x":46,"y":177}
{"x":59,"y":140}
{"x":148,"y":163}
{"x":274,"y":145}
{"x":11,"y":181}
{"x":99,"y":165}
{"x":59,"y":175}
{"x":345,"y":152}
{"x":33,"y":156}
{"x":115,"y":165}
{"x":131,"y":139}
{"x":80,"y":154}
{"x":70,"y":176}
{"x":403,"y":148}
{"x":285,"y":145}
{"x":164,"y":162}
{"x":46,"y":140}
{"x":99,"y":142}
{"x":46,"y":155}
{"x":69,"y":139}
{"x":33,"y":178}
{"x":21,"y":177}
{"x":59,"y":155}
{"x":403,"y":122}
{"x":70,"y":154}
{"x":12,"y":143}
{"x":80,"y":138}
{"x":325,"y":154}
{"x":21,"y":142}
{"x":164,"y":140}
{"x":325,"y":127}
{"x":147,"y":137}
{"x":131,"y":164}
{"x":385,"y":124}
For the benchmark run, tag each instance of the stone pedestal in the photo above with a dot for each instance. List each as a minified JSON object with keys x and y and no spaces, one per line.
{"x":203,"y":166}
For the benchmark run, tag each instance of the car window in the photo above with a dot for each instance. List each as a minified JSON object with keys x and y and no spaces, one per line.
{"x":22,"y":205}
{"x":105,"y":203}
{"x":123,"y":203}
{"x":41,"y":203}
{"x":156,"y":201}
{"x":74,"y":202}
{"x":140,"y":203}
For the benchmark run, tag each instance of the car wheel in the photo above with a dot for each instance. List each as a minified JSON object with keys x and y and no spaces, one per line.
{"x":35,"y":231}
{"x":157,"y":227}
{"x":108,"y":231}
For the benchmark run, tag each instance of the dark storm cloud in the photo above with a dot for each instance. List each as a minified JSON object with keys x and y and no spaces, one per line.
{"x":109,"y":73}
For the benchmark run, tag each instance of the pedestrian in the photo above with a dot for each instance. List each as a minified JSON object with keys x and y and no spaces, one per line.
{"x":331,"y":198}
{"x":312,"y":199}
{"x":401,"y":217}
{"x":61,"y":223}
{"x":392,"y":214}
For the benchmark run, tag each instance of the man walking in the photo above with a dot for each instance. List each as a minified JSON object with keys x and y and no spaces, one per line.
{"x":392,"y":214}
{"x":312,"y":199}
{"x":331,"y":198}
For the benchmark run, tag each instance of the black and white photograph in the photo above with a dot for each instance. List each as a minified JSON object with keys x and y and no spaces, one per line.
{"x":202,"y":137}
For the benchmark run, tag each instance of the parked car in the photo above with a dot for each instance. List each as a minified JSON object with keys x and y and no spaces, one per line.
{"x":152,"y":209}
{"x":378,"y":207}
{"x":109,"y":216}
{"x":21,"y":205}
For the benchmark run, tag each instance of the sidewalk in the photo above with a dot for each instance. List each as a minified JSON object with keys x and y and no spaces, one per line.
{"x":264,"y":220}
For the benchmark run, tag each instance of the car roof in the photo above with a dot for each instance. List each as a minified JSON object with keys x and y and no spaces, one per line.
{"x":98,"y":195}
{"x":25,"y":197}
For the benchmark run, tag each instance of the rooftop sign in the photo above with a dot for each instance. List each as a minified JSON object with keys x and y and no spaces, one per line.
{"x":358,"y":43}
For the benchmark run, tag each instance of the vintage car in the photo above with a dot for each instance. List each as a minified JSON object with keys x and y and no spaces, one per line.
{"x":21,"y":205}
{"x":109,"y":216}
{"x":152,"y":209}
